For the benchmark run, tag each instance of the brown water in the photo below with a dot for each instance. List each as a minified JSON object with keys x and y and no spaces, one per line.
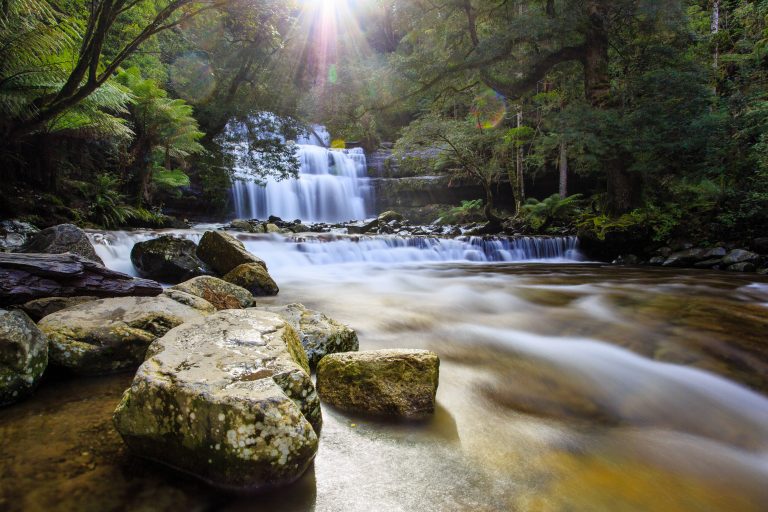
{"x":562,"y":388}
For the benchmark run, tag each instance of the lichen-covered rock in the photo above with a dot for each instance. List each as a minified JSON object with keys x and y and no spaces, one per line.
{"x":23,"y":355}
{"x":242,"y":225}
{"x":223,"y":252}
{"x":111,"y":335}
{"x":389,"y":216}
{"x":60,"y":239}
{"x":190,"y":300}
{"x":221,"y":294}
{"x":168,"y":259}
{"x":273,"y":228}
{"x":319,"y":334}
{"x":228,"y":399}
{"x":40,"y":308}
{"x":254,"y":278}
{"x":399,"y":382}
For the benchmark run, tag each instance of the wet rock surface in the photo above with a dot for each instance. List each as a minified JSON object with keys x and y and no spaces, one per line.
{"x":61,"y":239}
{"x":111,"y":335}
{"x":228,"y":399}
{"x":23,"y":356}
{"x":220,"y":293}
{"x":393,"y":382}
{"x":223,"y":252}
{"x":168,"y":259}
{"x":254,"y":278}
{"x":319,"y":334}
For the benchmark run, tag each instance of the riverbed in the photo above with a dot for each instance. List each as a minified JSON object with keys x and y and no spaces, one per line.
{"x":563,"y":386}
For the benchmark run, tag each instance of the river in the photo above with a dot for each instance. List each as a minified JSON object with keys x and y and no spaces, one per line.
{"x":564,"y":386}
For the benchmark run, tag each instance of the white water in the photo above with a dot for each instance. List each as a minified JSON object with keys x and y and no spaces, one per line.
{"x":332,"y":186}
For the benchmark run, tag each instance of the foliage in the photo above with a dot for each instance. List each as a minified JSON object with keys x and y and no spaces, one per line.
{"x":468,"y":211}
{"x":107,"y":208}
{"x":542,"y":214}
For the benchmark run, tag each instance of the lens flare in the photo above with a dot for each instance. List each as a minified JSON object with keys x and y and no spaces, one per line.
{"x":192,"y":78}
{"x":489,"y":109}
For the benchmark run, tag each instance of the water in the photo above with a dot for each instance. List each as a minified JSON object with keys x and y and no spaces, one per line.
{"x":563,"y":386}
{"x":332,"y":186}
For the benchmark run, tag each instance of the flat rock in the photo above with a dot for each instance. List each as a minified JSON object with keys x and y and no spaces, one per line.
{"x":399,"y":382}
{"x":319,"y":334}
{"x":223,"y":252}
{"x":111,"y":335}
{"x":168,"y":259}
{"x":227,"y":399}
{"x":23,"y":356}
{"x":40,"y":308}
{"x":221,"y":294}
{"x":254,"y":278}
{"x":61,"y":239}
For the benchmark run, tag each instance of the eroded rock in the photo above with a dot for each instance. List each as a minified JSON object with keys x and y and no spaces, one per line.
{"x":23,"y":356}
{"x":111,"y":335}
{"x":223,"y":252}
{"x":254,"y":278}
{"x":228,"y":399}
{"x":168,"y":259}
{"x":220,"y":293}
{"x":399,"y":382}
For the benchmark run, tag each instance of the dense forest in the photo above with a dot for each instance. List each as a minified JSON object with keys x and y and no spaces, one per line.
{"x":652,"y":115}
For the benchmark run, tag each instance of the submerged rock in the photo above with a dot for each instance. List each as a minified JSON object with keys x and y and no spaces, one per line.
{"x":168,"y":259}
{"x":223,"y":252}
{"x":40,"y":308}
{"x":23,"y":356}
{"x":254,"y":278}
{"x":228,"y":399}
{"x":319,"y":334}
{"x":60,"y":239}
{"x":220,"y":293}
{"x":111,"y":335}
{"x":399,"y":382}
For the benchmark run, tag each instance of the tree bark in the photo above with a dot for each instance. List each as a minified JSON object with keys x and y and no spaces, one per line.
{"x":563,"y":167}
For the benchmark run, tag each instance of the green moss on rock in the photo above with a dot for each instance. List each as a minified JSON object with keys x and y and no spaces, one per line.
{"x":223,"y":252}
{"x":219,"y":293}
{"x":23,"y":356}
{"x":254,"y":278}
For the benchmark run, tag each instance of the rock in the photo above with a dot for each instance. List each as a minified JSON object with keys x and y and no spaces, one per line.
{"x":168,"y":259}
{"x":713,"y":263}
{"x":629,"y":259}
{"x":665,"y":251}
{"x":319,"y":334}
{"x":242,"y":225}
{"x":740,"y":256}
{"x":223,"y":252}
{"x":390,"y":216}
{"x":361,"y":228}
{"x":228,"y":399}
{"x":40,"y":308}
{"x":221,"y":294}
{"x":273,"y":228}
{"x":24,"y":277}
{"x":14,"y":234}
{"x":254,"y":278}
{"x":23,"y":356}
{"x":760,"y":245}
{"x":763,"y":272}
{"x":111,"y":335}
{"x":684,"y":258}
{"x":300,"y":228}
{"x":742,"y":267}
{"x":190,"y":300}
{"x":382,"y":382}
{"x":658,"y":260}
{"x":713,"y":253}
{"x":60,"y":239}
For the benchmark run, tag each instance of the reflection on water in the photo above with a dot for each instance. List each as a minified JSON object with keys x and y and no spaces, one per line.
{"x":563,"y":387}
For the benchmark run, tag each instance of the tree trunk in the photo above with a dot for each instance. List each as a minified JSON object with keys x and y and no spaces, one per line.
{"x":563,"y":166}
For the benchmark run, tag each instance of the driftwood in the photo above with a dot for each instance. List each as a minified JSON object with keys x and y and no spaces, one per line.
{"x":24,"y":277}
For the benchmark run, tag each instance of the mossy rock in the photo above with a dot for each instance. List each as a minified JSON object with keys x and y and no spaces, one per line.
{"x":168,"y":259}
{"x":319,"y":334}
{"x":223,"y":252}
{"x":23,"y":356}
{"x":398,"y":383}
{"x":40,"y":308}
{"x":254,"y":278}
{"x":389,"y":216}
{"x":227,"y":399}
{"x":220,"y":293}
{"x":111,"y":335}
{"x":61,"y":239}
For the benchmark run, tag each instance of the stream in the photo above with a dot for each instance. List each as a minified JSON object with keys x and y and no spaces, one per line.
{"x":564,"y":386}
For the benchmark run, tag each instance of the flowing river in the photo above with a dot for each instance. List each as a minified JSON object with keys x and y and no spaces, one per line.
{"x":564,"y":386}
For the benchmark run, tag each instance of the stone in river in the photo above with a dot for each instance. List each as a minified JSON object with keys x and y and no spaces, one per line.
{"x":168,"y":259}
{"x":23,"y":356}
{"x":40,"y":308}
{"x":61,"y":239}
{"x":220,"y":293}
{"x":228,"y":399}
{"x":223,"y":252}
{"x":111,"y":335}
{"x":398,"y":382}
{"x":254,"y":278}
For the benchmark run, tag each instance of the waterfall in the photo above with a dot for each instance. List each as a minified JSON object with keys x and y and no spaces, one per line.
{"x":332,"y":186}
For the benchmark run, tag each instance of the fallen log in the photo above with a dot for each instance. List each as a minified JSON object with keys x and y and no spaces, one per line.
{"x":24,"y":277}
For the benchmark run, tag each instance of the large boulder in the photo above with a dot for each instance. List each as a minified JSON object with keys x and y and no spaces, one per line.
{"x":389,"y":216}
{"x":111,"y":335}
{"x":14,"y":234}
{"x":254,"y":278}
{"x":399,"y":382}
{"x":741,"y":256}
{"x":23,"y":355}
{"x":60,"y":239}
{"x":220,"y":293}
{"x":25,"y":277}
{"x":686,"y":258}
{"x":223,"y":252}
{"x":319,"y":334}
{"x":40,"y":308}
{"x":228,"y":399}
{"x":168,"y":259}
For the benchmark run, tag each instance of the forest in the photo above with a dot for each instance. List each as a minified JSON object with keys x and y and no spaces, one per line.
{"x":653,"y":112}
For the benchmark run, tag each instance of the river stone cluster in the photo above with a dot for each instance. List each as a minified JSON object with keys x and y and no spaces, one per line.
{"x":400,"y":382}
{"x":227,"y":398}
{"x":319,"y":334}
{"x":111,"y":335}
{"x":23,"y":356}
